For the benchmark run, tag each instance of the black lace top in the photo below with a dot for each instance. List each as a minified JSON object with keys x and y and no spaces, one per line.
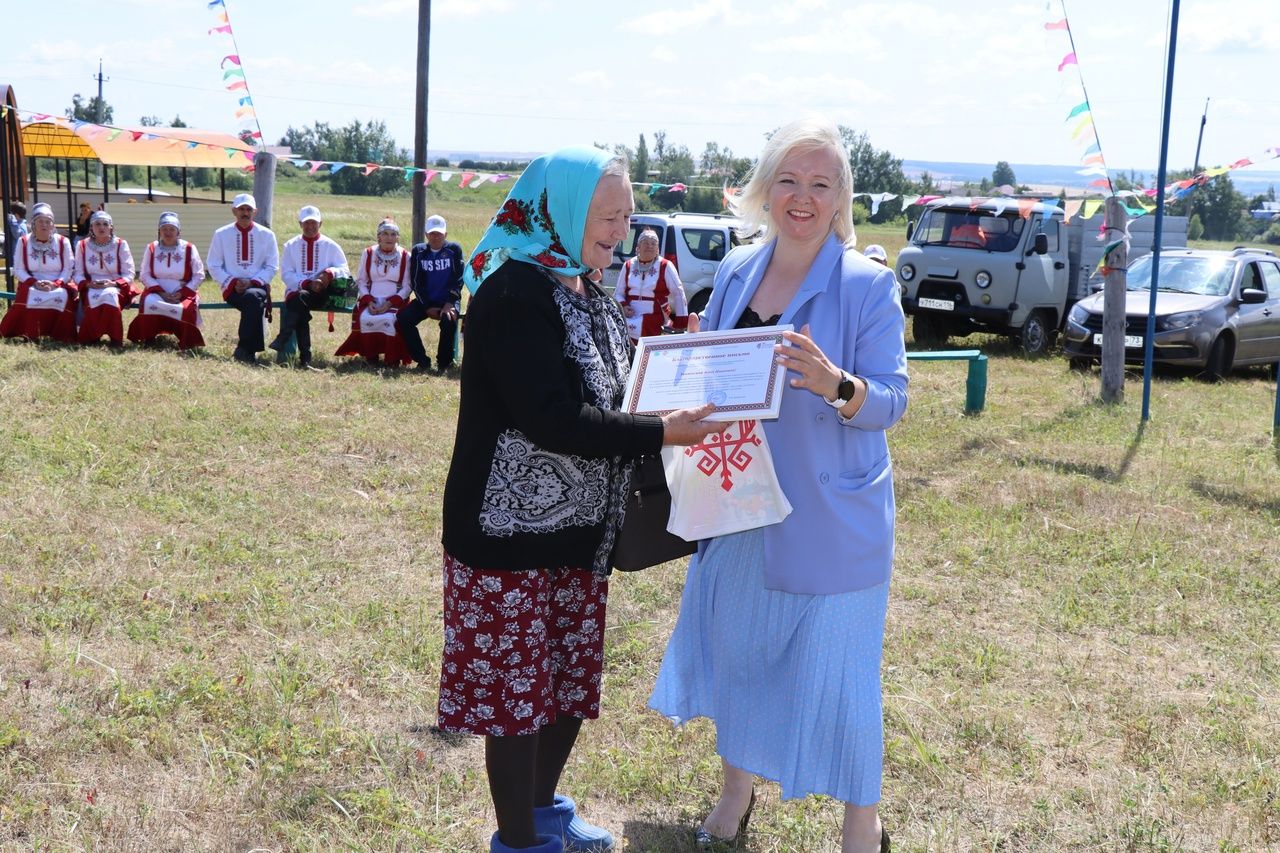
{"x":751,"y":320}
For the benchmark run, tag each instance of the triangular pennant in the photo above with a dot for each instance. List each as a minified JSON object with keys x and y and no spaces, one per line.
{"x":315,"y":166}
{"x":428,"y":175}
{"x":465,"y":178}
{"x":1069,"y":59}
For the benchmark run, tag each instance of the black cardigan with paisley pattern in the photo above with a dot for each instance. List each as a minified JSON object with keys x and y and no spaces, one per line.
{"x":534,"y":462}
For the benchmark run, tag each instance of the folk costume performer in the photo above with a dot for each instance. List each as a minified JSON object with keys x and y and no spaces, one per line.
{"x":171,"y":274}
{"x":104,"y":270}
{"x":44,"y":266}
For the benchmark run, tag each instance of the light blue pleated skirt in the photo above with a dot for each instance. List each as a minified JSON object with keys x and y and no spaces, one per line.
{"x":791,"y":681}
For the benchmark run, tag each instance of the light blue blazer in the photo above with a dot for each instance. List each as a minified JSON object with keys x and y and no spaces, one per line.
{"x":837,"y":474}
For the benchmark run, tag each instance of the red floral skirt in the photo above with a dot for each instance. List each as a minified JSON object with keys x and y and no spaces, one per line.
{"x":147,"y":326}
{"x":520,"y":648}
{"x":20,"y":321}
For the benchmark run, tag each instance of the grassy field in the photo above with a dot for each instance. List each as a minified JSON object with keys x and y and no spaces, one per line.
{"x":220,"y":614}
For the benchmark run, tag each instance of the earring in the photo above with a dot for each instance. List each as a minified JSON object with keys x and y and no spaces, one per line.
{"x":766,"y":207}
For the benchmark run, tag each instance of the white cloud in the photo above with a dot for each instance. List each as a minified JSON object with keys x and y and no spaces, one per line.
{"x":662,"y":53}
{"x":686,"y":21}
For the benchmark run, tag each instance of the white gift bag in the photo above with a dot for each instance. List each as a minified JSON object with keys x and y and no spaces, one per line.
{"x":726,"y":484}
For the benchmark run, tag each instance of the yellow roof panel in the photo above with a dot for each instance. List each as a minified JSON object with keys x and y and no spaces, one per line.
{"x":136,"y":146}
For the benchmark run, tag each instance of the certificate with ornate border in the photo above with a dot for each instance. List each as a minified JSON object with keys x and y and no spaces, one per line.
{"x":734,"y":369}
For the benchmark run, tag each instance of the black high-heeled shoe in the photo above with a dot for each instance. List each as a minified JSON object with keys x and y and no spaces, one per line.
{"x":884,"y":839}
{"x":706,"y":841}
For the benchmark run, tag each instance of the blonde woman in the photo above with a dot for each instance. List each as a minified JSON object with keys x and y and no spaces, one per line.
{"x":781,"y":628}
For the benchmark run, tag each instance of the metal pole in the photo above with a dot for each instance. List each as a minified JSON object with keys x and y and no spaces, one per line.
{"x":116,"y":169}
{"x":35,"y":182}
{"x":1148,"y":342}
{"x":420,"y":120}
{"x":149,"y":196}
{"x":1195,"y":169}
{"x":222,"y":184}
{"x":184,"y":184}
{"x":71,"y":207}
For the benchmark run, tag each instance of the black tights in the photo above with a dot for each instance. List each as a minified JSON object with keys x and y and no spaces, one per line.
{"x":524,"y":771}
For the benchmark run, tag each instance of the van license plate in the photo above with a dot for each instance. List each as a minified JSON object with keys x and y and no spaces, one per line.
{"x":1130,"y":341}
{"x":936,"y":304}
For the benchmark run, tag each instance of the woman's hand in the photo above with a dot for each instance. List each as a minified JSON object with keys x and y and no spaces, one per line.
{"x":695,"y":323}
{"x":628,"y":311}
{"x":686,"y":426}
{"x":817,"y":373}
{"x":45,"y":285}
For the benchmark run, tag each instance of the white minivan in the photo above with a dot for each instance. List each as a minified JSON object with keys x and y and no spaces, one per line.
{"x":695,"y":242}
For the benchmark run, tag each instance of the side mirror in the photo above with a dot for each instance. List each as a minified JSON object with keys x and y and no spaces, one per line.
{"x":911,"y":229}
{"x":1041,"y":244}
{"x":1252,"y":296}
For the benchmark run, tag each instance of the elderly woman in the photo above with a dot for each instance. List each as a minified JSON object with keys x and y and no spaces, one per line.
{"x":781,"y":628}
{"x":534,"y":500}
{"x":649,"y":290}
{"x":104,"y":269}
{"x":44,"y":266}
{"x":171,"y":274}
{"x":383,"y":285}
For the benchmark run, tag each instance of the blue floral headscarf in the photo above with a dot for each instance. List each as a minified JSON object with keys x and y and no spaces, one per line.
{"x":543,"y":218}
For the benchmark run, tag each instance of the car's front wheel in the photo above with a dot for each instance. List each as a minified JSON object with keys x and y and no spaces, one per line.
{"x":1218,"y":364}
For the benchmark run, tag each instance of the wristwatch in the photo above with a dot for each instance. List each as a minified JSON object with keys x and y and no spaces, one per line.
{"x":844,"y":391}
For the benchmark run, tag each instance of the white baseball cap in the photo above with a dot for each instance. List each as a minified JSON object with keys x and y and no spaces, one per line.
{"x":876,"y":252}
{"x":310,"y":211}
{"x":243,"y":199}
{"x":435,"y":223}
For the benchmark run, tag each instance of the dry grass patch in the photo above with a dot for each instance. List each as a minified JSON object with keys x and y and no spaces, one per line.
{"x":220,"y":596}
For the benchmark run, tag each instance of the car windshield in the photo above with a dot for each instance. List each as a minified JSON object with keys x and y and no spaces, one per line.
{"x":970,"y":229}
{"x":1208,"y":276}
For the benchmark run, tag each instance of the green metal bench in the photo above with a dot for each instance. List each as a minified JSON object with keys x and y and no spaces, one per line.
{"x":975,"y":397}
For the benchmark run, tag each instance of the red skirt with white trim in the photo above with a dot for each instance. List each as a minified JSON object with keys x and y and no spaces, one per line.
{"x":36,"y":314}
{"x":373,"y":336}
{"x":102,"y":315}
{"x":180,"y":319}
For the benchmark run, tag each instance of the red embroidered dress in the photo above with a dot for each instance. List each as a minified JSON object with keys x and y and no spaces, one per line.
{"x":381,"y":279}
{"x":653,"y":291}
{"x":109,"y":264}
{"x":170,"y":270}
{"x":38,"y":313}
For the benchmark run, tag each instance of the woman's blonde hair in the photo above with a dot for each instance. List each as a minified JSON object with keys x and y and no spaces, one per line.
{"x":799,"y":137}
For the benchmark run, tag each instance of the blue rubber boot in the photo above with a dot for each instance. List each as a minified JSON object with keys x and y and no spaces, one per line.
{"x":546,"y":844}
{"x":561,"y":820}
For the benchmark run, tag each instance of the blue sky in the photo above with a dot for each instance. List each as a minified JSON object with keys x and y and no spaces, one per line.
{"x":938,"y":80}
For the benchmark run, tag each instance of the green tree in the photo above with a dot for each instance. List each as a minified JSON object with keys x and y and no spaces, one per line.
{"x":82,"y":110}
{"x":1221,"y":208}
{"x":149,"y":121}
{"x":177,"y":122}
{"x":640,"y":165}
{"x":874,"y":171}
{"x":355,"y":143}
{"x":1003,"y":174}
{"x":1195,"y":229}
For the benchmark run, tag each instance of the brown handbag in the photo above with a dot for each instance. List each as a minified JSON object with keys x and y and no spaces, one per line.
{"x":644,"y":540}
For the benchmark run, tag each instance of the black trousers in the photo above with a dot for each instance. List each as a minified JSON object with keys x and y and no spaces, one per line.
{"x":407,"y":321}
{"x":295,"y":319}
{"x":251,"y":304}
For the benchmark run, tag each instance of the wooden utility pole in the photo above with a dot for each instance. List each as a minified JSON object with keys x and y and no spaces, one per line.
{"x":1113,"y":304}
{"x":420,"y":121}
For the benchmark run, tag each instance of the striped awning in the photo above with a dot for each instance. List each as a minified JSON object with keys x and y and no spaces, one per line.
{"x":135,"y":146}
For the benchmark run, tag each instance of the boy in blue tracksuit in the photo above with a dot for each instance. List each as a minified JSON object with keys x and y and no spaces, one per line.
{"x":437,"y":286}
